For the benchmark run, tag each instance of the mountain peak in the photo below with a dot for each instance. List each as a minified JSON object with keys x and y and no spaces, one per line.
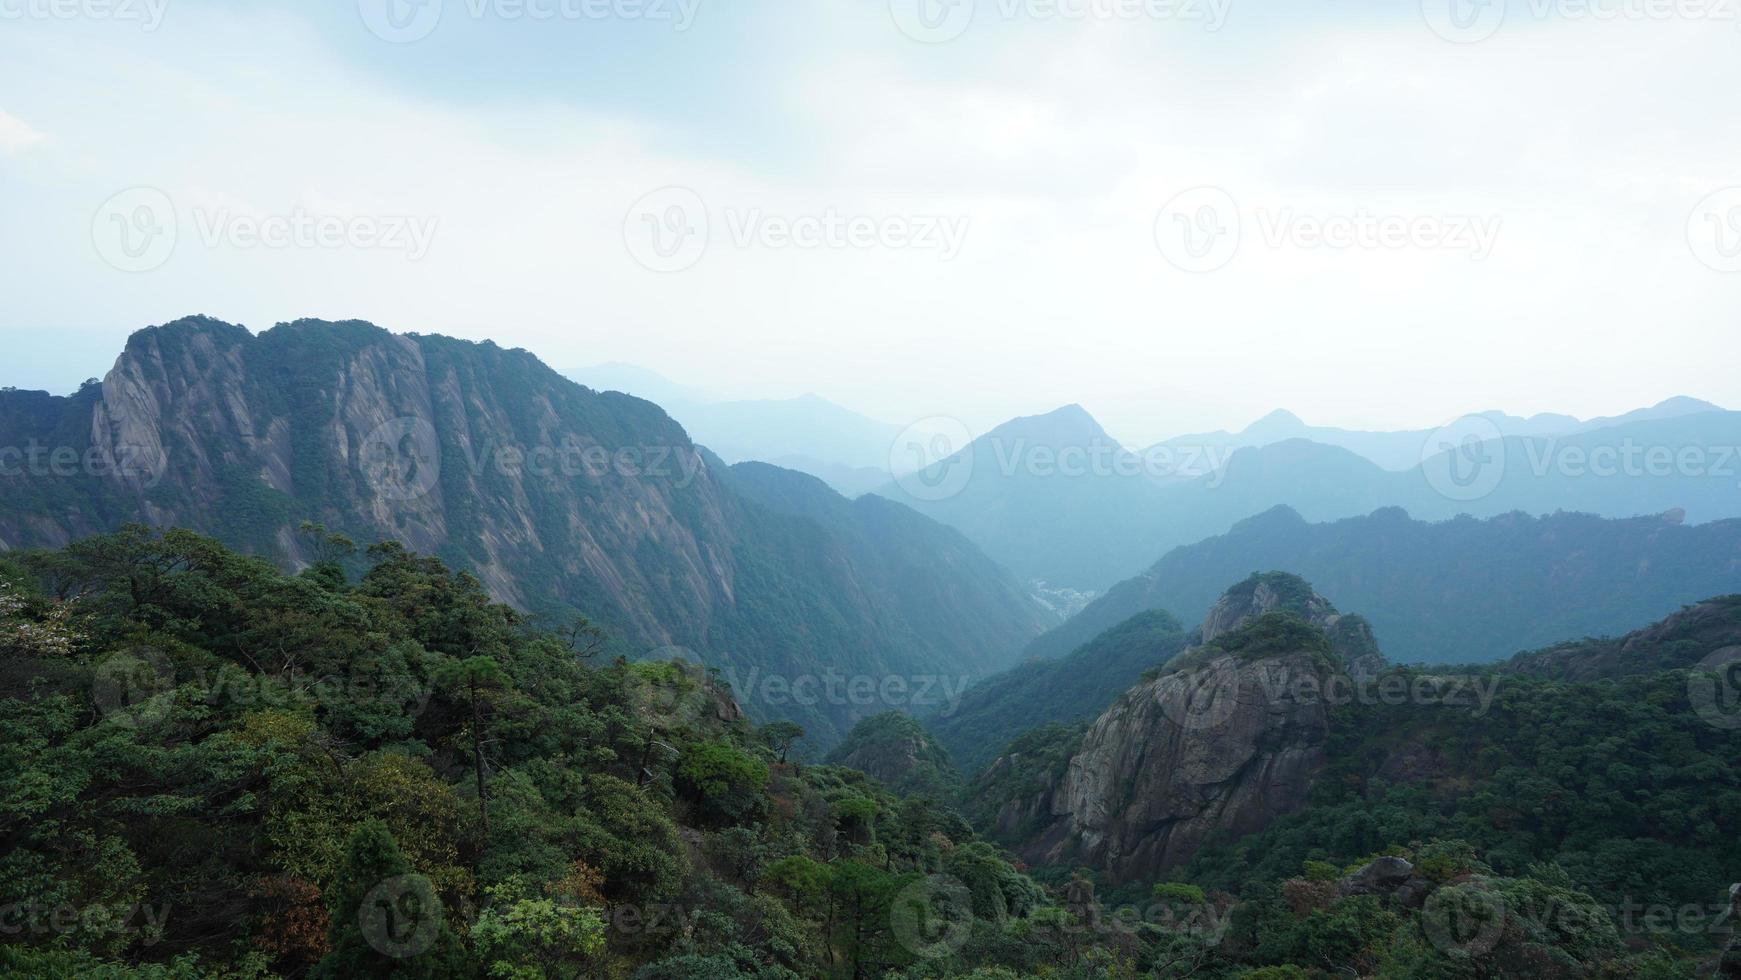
{"x":1070,"y":425}
{"x":1280,"y":420}
{"x":1684,"y":405}
{"x":197,"y":324}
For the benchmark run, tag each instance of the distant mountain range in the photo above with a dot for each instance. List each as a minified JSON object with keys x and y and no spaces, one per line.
{"x":1399,"y":450}
{"x":563,"y":501}
{"x":1055,"y":499}
{"x":813,"y":435}
{"x":1455,"y":591}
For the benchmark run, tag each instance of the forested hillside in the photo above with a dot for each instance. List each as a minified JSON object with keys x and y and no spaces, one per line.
{"x":371,"y":769}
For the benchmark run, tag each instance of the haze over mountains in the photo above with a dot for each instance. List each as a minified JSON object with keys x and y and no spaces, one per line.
{"x":808,"y":433}
{"x":1066,"y":507}
{"x":1055,"y":499}
{"x":1464,"y":590}
{"x":1402,"y":450}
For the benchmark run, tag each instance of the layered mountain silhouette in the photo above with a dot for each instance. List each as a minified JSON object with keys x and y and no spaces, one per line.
{"x":1401,"y":450}
{"x":811,"y":434}
{"x":563,"y":501}
{"x":1051,"y":497}
{"x":1089,"y":526}
{"x":1454,"y":591}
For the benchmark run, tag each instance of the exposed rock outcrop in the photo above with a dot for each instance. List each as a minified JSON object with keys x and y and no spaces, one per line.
{"x":1225,"y":739}
{"x":1388,"y":877}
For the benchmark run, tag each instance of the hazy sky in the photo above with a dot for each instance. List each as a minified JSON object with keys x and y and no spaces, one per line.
{"x":1021,"y":213}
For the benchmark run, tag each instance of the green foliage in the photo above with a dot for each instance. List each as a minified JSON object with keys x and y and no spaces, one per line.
{"x":898,"y":751}
{"x":724,"y":780}
{"x":462,"y":796}
{"x":384,"y":773}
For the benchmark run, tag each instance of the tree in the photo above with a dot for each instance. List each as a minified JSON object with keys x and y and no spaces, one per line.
{"x":779,"y":736}
{"x":387,"y":921}
{"x":472,"y":678}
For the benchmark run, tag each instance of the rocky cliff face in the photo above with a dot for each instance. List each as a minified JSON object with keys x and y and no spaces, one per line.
{"x":1227,"y":738}
{"x":562,"y":500}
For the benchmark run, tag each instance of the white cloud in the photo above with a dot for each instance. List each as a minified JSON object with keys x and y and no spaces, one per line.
{"x":1590,"y":142}
{"x":16,"y":134}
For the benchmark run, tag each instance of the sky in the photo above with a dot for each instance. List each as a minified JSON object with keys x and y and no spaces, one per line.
{"x":1180,"y":214}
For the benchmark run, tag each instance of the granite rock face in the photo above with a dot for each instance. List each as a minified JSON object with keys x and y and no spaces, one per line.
{"x":1388,"y":877}
{"x":1222,"y":740}
{"x":1183,"y":757}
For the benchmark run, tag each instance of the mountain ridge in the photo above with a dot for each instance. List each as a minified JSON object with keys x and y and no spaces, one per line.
{"x":562,"y":500}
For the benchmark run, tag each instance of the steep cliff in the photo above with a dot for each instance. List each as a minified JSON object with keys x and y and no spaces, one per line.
{"x":1225,"y":738}
{"x":561,"y":500}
